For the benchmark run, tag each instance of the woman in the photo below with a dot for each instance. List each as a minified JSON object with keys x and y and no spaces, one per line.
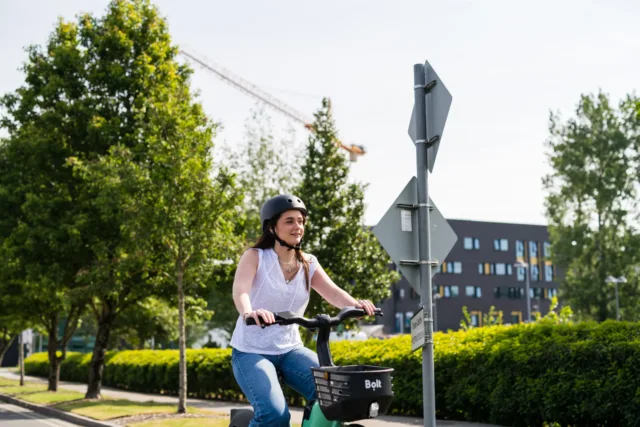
{"x":275,"y":276}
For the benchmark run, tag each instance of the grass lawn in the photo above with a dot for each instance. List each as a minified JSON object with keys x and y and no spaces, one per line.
{"x":5,"y":382}
{"x":26,"y":388}
{"x":107,"y":409}
{"x":48,"y":397}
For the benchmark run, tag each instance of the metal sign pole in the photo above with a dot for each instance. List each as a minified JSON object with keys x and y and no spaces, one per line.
{"x":424,"y":244}
{"x":407,"y":237}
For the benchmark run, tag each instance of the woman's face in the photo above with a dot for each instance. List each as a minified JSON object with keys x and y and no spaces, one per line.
{"x":290,"y":227}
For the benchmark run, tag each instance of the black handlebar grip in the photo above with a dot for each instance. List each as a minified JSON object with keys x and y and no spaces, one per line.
{"x":251,"y":321}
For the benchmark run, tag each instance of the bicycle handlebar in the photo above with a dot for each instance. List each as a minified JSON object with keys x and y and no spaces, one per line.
{"x":288,"y":318}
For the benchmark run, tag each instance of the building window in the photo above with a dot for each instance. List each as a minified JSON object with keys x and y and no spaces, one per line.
{"x":399,"y":323}
{"x":407,"y":320}
{"x":455,"y":291}
{"x":497,"y":293}
{"x":519,"y":250}
{"x":457,"y":267}
{"x":521,"y":274}
{"x":533,"y":250}
{"x":468,"y":243}
{"x":473,"y":291}
{"x":475,"y":319}
{"x":537,"y":293}
{"x":501,"y":245}
{"x":471,"y":243}
{"x":451,"y":291}
{"x":548,"y":273}
{"x":546,"y":249}
{"x":499,"y":269}
{"x":513,"y":293}
{"x":516,"y":317}
{"x":401,"y":293}
{"x":552,"y":292}
{"x":451,"y":267}
{"x":535,"y":273}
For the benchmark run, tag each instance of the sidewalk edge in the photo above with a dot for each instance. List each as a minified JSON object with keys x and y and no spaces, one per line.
{"x":56,"y":413}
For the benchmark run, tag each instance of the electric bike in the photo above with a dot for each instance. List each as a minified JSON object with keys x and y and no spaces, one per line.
{"x":344,"y":393}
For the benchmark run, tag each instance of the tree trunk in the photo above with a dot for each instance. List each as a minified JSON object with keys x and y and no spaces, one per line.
{"x":4,"y":346}
{"x":601,"y":274}
{"x":96,"y":368}
{"x":54,"y":362}
{"x":182,"y":399}
{"x":21,"y":357}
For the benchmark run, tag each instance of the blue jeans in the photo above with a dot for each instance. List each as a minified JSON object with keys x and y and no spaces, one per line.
{"x":256,"y":375}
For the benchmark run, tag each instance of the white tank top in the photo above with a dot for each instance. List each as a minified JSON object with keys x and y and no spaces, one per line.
{"x":270,"y":292}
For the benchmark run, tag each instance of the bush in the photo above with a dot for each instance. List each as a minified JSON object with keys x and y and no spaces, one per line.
{"x":524,"y":375}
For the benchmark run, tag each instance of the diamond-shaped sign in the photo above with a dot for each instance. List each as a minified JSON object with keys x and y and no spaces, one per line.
{"x":438,"y":103}
{"x":397,"y":232}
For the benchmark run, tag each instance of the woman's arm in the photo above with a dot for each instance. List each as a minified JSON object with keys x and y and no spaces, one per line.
{"x":335,"y":295}
{"x":242,"y":283}
{"x":243,"y":280}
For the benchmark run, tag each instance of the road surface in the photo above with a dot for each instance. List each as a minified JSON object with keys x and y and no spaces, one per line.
{"x":15,"y":416}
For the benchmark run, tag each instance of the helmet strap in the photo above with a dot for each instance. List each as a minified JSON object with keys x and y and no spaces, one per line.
{"x":283,"y":243}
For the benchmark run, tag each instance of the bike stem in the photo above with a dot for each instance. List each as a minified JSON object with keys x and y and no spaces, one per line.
{"x":322,"y":343}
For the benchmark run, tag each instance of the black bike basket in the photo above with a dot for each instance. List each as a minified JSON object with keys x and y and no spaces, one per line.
{"x":355,"y":392}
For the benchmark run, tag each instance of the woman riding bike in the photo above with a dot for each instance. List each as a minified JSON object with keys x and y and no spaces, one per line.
{"x":276,"y":276}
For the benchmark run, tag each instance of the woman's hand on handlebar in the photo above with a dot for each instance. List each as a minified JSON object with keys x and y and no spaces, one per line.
{"x":366,"y":305}
{"x":259,"y":315}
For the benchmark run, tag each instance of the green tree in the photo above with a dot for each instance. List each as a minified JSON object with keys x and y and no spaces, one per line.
{"x":126,"y":259}
{"x":191,"y":205}
{"x":591,"y":205}
{"x":336,"y":234}
{"x":98,"y":84}
{"x":41,"y":239}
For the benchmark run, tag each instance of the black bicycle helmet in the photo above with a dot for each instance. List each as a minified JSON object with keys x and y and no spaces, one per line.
{"x":275,"y":207}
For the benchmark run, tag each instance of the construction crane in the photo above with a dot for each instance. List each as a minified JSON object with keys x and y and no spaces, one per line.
{"x":255,"y":91}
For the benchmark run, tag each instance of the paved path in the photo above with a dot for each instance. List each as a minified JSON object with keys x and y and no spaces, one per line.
{"x":15,"y":416}
{"x":222,"y":406}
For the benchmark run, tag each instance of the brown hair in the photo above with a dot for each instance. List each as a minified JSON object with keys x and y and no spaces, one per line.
{"x":268,"y":241}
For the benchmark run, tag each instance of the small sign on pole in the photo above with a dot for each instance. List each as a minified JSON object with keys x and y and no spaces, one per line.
{"x":417,"y":330}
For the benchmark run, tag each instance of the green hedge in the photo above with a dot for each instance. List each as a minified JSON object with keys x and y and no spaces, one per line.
{"x":525,"y":375}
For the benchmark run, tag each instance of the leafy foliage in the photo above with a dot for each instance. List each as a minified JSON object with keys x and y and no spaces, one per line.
{"x":336,"y":234}
{"x":592,"y":207}
{"x":520,"y":375}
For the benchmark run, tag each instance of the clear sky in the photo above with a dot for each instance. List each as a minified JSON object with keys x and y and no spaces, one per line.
{"x":506,"y":63}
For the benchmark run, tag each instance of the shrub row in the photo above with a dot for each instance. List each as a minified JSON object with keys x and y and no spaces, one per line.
{"x":586,"y":374}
